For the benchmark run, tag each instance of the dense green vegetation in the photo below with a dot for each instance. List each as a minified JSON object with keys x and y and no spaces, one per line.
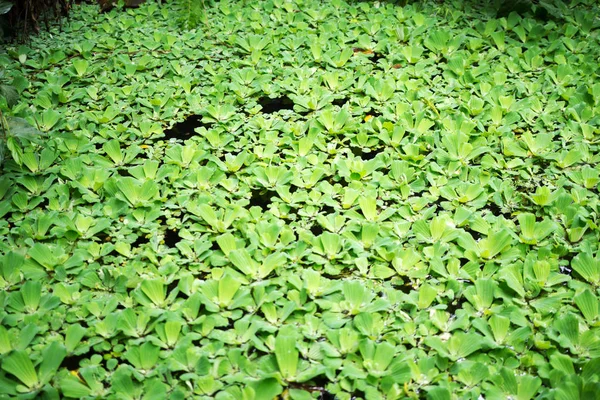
{"x":301,"y":199}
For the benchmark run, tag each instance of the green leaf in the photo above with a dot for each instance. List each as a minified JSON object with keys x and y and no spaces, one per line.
{"x":5,"y":6}
{"x":10,"y":94}
{"x":591,"y":370}
{"x":208,"y":214}
{"x":495,"y":243}
{"x":72,"y":387}
{"x":155,"y":290}
{"x":244,"y":262}
{"x":355,"y":295}
{"x":143,"y":357}
{"x":113,"y":149}
{"x":562,"y":362}
{"x":286,"y":353}
{"x":31,"y":293}
{"x":482,"y":296}
{"x":19,"y":365}
{"x":44,"y":255}
{"x":73,"y":336}
{"x":52,"y":356}
{"x":533,"y":232}
{"x":427,"y":295}
{"x":81,"y":66}
{"x":334,"y":123}
{"x":266,"y":389}
{"x":122,"y":383}
{"x":227,"y":243}
{"x":49,"y":119}
{"x":20,"y":83}
{"x":568,"y":327}
{"x":588,"y":267}
{"x":462,"y":344}
{"x":587,"y":303}
{"x":332,"y":244}
{"x":172,"y":330}
{"x":20,"y":128}
{"x":528,"y":387}
{"x":384,"y":355}
{"x":228,"y":287}
{"x":136,"y":193}
{"x":368,"y":206}
{"x":499,"y":325}
{"x":5,"y":343}
{"x":438,"y":393}
{"x":297,"y":394}
{"x":513,"y":276}
{"x":543,"y":196}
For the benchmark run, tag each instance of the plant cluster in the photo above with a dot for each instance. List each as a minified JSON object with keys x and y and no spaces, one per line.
{"x":15,"y":132}
{"x":19,"y":18}
{"x":303,"y":199}
{"x":191,"y":13}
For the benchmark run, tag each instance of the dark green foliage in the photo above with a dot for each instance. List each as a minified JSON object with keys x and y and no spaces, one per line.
{"x":541,"y":9}
{"x":303,"y":199}
{"x":14,"y":131}
{"x":19,"y":18}
{"x":106,"y":5}
{"x":192,"y":13}
{"x":5,"y":7}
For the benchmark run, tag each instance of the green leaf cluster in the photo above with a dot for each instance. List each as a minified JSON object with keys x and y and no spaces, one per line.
{"x":302,"y":199}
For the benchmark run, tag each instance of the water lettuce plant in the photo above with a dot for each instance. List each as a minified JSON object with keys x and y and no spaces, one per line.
{"x":295,"y":199}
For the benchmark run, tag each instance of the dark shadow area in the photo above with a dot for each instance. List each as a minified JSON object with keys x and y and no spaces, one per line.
{"x":261,"y":197}
{"x":474,"y":234}
{"x":374,"y":113}
{"x":365,"y":154}
{"x":103,"y":236}
{"x":72,"y":362}
{"x":139,"y":241}
{"x":315,"y":385}
{"x":371,"y":154}
{"x":543,"y":11}
{"x":123,"y":172}
{"x":107,"y":5}
{"x":404,"y":287}
{"x":43,"y":204}
{"x":376,"y":57}
{"x":316,"y":229}
{"x":494,"y":209}
{"x":340,"y":102}
{"x":325,"y":395}
{"x":185,"y":129}
{"x":172,"y":237}
{"x":172,"y":286}
{"x":270,"y":105}
{"x":23,"y":17}
{"x":325,"y":209}
{"x":341,"y":181}
{"x":455,"y":305}
{"x":497,"y":211}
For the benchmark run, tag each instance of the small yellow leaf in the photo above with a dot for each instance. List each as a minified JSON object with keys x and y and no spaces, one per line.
{"x":368,"y":118}
{"x":75,"y":373}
